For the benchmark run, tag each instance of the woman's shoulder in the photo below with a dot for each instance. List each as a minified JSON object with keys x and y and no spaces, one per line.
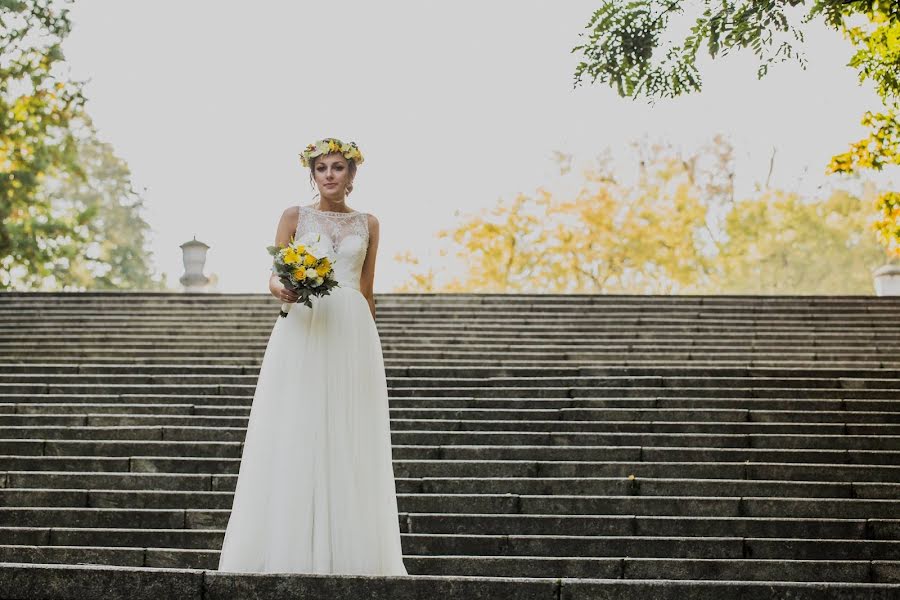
{"x":290,"y":218}
{"x":371,"y":218}
{"x":291,"y":212}
{"x":372,"y":221}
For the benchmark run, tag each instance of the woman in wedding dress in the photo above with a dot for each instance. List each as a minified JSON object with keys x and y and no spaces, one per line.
{"x":315,"y":491}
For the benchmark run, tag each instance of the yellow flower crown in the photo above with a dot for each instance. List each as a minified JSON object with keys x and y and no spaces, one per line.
{"x":328,"y":145}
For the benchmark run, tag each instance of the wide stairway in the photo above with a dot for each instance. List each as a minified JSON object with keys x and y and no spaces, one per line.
{"x":545,"y":447}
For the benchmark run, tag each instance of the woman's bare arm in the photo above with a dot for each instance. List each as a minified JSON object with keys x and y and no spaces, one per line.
{"x":367,"y":277}
{"x":287,"y":225}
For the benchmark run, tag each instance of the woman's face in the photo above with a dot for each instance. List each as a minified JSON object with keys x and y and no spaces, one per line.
{"x":332,"y":175}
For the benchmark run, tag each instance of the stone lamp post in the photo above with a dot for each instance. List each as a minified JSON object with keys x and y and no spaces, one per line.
{"x":194,"y":255}
{"x":887,"y":280}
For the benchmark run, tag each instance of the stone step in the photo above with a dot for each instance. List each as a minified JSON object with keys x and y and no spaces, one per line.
{"x":139,"y":447}
{"x":574,"y":349}
{"x":742,"y":353}
{"x":786,"y":342}
{"x":496,"y":392}
{"x":174,"y":415}
{"x":496,"y":503}
{"x":112,"y":448}
{"x":518,"y":358}
{"x":583,"y":339}
{"x":626,"y":353}
{"x":706,"y":335}
{"x":500,"y":357}
{"x":85,"y":556}
{"x":634,"y":310}
{"x":774,"y":402}
{"x":8,"y":391}
{"x":628,"y":453}
{"x":475,"y":353}
{"x":811,"y":406}
{"x":141,"y":518}
{"x":741,"y":419}
{"x":493,"y":545}
{"x":140,"y":582}
{"x":737,"y":351}
{"x":536,"y":368}
{"x":51,"y":380}
{"x":594,"y":486}
{"x":651,"y":546}
{"x":106,"y":537}
{"x":641,"y":305}
{"x":532,"y":314}
{"x":416,"y":299}
{"x":638,"y":307}
{"x":433,"y":434}
{"x":420,"y":412}
{"x":632,"y":568}
{"x":448,"y":317}
{"x":757,"y":470}
{"x":460,"y":302}
{"x":644,"y":525}
{"x":612,"y":486}
{"x":441,"y":316}
{"x":509,"y":524}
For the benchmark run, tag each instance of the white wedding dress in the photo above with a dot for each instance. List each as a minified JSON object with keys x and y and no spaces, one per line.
{"x":316,"y":492}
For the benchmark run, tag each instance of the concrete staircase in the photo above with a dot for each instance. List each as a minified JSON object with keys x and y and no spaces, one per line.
{"x":546,"y":447}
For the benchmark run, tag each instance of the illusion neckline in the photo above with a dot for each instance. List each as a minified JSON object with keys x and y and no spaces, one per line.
{"x":329,"y":212}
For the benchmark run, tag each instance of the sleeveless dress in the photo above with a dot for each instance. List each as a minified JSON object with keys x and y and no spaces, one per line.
{"x":315,"y":491}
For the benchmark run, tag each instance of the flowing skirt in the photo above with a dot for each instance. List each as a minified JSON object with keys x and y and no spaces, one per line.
{"x":316,"y":492}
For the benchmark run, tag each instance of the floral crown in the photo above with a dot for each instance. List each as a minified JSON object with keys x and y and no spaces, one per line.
{"x":328,"y":145}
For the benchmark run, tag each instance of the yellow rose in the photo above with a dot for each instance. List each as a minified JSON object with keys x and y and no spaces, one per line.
{"x":300,"y":248}
{"x":300,"y":274}
{"x":322,"y":269}
{"x":309,"y":260}
{"x":290,"y":257}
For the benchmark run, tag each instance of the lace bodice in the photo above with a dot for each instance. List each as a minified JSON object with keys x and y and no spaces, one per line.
{"x":348,"y":234}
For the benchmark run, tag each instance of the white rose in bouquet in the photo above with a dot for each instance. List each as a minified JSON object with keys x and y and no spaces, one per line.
{"x":316,"y":245}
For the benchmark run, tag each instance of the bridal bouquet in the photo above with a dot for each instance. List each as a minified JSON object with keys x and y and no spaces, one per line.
{"x":305,"y":267}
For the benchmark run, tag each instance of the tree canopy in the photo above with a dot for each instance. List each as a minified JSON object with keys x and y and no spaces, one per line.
{"x":69,"y":218}
{"x":631,"y":48}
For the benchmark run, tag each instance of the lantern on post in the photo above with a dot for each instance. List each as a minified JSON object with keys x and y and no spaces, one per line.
{"x":194,"y":256}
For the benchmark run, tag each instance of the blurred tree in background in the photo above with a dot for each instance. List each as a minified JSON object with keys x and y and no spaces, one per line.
{"x":112,"y":253}
{"x":676,"y":229}
{"x":780,"y":243}
{"x":625,"y":49}
{"x":69,"y":216}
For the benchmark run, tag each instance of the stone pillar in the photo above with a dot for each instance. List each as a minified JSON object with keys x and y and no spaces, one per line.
{"x":194,"y":256}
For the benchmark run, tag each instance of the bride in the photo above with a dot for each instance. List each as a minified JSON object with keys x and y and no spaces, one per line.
{"x":315,"y":492}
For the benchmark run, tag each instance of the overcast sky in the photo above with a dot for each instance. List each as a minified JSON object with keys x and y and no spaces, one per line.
{"x":453,"y":104}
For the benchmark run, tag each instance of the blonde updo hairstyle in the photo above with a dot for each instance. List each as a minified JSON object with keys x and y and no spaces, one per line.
{"x":351,"y":165}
